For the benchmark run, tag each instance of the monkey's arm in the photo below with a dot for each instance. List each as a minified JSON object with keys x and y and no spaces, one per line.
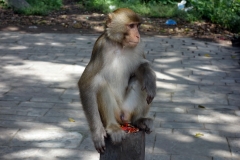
{"x":148,"y":79}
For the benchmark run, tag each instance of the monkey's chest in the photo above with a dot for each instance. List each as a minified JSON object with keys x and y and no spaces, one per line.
{"x":119,"y":70}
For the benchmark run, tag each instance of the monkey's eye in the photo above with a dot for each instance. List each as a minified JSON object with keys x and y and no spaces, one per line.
{"x":131,"y":25}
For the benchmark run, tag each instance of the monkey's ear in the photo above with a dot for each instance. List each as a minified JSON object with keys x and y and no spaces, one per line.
{"x":115,"y":28}
{"x":109,"y":19}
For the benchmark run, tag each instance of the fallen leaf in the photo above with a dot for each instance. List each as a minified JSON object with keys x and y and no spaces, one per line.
{"x":200,"y":106}
{"x":206,"y":55}
{"x":77,"y":25}
{"x":162,"y":30}
{"x":233,"y":57}
{"x":199,"y":135}
{"x":71,"y":120}
{"x":63,"y":16}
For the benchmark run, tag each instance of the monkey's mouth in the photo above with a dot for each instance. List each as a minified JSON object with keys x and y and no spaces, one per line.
{"x":134,"y":43}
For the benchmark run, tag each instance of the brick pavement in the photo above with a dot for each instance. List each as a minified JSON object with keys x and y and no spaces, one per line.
{"x":198,"y":92}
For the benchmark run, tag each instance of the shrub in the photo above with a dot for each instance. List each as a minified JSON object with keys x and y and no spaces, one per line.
{"x":42,"y":7}
{"x":151,"y":8}
{"x":224,"y":12}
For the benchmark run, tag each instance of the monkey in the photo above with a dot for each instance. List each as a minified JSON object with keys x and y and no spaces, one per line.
{"x":118,"y":84}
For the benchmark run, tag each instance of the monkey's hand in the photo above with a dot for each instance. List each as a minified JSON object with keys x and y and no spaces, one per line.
{"x":149,"y":84}
{"x":98,"y":140}
{"x":116,"y":133}
{"x":145,"y":124}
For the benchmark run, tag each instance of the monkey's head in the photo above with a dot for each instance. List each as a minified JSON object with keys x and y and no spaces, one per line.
{"x":122,"y":27}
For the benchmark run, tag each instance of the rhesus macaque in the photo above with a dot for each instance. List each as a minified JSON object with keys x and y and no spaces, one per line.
{"x":118,"y":84}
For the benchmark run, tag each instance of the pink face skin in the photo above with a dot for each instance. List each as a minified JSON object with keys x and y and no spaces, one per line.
{"x":133,"y":37}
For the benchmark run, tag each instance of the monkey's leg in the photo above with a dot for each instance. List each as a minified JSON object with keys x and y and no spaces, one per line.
{"x":109,"y":111}
{"x":90,"y":106}
{"x":136,"y":104}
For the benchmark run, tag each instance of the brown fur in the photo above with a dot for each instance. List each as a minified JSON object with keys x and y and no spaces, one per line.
{"x":118,"y":83}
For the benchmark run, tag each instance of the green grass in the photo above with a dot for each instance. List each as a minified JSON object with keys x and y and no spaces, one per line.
{"x":150,"y":9}
{"x":42,"y":7}
{"x":145,"y":9}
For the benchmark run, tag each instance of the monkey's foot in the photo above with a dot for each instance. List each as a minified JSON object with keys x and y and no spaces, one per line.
{"x":116,"y":133}
{"x":98,"y":140}
{"x":145,"y":124}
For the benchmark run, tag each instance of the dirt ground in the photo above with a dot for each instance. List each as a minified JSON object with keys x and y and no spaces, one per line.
{"x":74,"y":18}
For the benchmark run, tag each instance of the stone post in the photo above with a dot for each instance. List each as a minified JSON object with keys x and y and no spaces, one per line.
{"x":131,"y":148}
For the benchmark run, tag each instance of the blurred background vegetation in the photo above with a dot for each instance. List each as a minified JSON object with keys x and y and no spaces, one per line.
{"x":223,"y":12}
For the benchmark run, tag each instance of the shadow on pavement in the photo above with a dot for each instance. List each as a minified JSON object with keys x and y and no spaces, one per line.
{"x":198,"y":92}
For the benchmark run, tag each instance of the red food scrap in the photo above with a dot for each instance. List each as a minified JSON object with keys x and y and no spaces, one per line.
{"x":128,"y":128}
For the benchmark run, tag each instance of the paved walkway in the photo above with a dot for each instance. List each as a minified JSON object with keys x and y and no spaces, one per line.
{"x":196,"y":110}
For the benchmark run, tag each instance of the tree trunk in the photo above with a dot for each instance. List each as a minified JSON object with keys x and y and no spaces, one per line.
{"x":17,"y":4}
{"x":131,"y":148}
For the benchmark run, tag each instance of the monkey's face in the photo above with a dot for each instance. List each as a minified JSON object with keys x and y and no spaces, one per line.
{"x":132,"y":37}
{"x":122,"y":27}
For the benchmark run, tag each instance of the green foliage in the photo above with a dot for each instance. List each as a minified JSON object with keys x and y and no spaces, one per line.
{"x":160,"y":1}
{"x":98,"y":5}
{"x":223,"y":12}
{"x":42,"y":7}
{"x":151,"y":8}
{"x":3,"y":4}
